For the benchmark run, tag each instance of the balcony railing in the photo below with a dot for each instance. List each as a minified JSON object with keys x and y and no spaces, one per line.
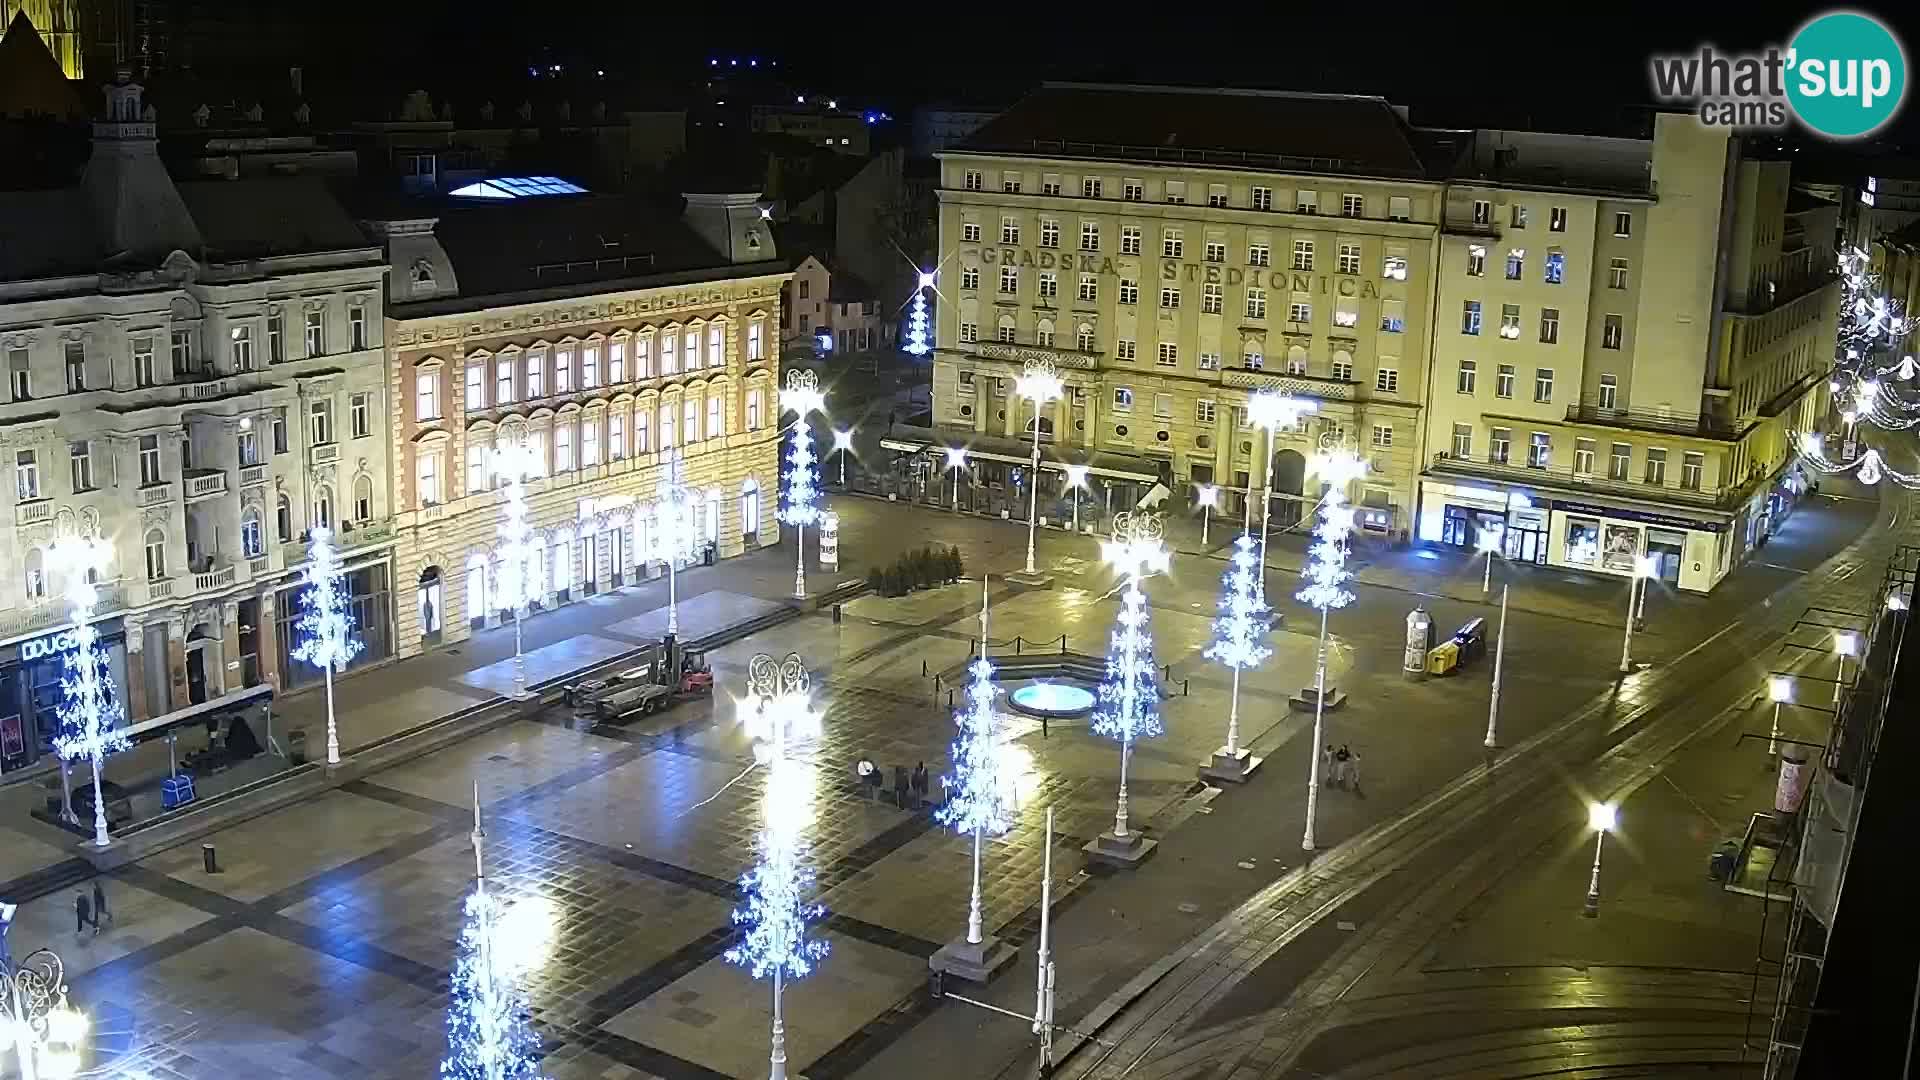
{"x":348,"y":537}
{"x":218,"y":578}
{"x":45,"y":614}
{"x":1295,"y":385}
{"x":1698,"y":425}
{"x":324,"y":453}
{"x":155,"y":494}
{"x":200,"y":483}
{"x":259,"y":566}
{"x":160,"y":589}
{"x":1564,"y":478}
{"x":32,"y":513}
{"x":1066,"y":358}
{"x":252,"y":474}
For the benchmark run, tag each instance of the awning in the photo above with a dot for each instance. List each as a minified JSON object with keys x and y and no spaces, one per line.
{"x":197,"y":714}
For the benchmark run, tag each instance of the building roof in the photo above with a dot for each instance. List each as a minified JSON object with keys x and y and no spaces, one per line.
{"x":1170,"y":125}
{"x":31,"y":82}
{"x":268,"y":216}
{"x":48,"y":234}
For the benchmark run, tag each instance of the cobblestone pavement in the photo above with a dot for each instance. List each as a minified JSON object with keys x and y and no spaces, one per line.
{"x":323,"y":945}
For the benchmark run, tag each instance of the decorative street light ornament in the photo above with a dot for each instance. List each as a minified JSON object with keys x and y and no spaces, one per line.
{"x":326,"y":637}
{"x":488,"y":1033}
{"x":673,"y":529}
{"x":917,"y":344}
{"x":1326,"y":588}
{"x":802,"y":508}
{"x":46,"y":1032}
{"x":1869,"y":467}
{"x":1129,"y":695}
{"x":89,"y":713}
{"x":774,"y":914}
{"x":516,"y":463}
{"x":1076,"y":480}
{"x":1038,"y":383}
{"x":1239,"y":642}
{"x":956,"y":460}
{"x":1271,"y":411}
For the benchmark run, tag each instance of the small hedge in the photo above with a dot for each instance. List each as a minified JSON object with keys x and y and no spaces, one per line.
{"x":924,"y":568}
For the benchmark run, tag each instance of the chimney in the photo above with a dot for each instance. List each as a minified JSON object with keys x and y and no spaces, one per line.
{"x":733,"y":224}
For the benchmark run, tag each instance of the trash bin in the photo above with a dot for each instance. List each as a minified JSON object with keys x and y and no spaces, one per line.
{"x":297,"y":746}
{"x":1443,"y":658}
{"x":1472,"y":639}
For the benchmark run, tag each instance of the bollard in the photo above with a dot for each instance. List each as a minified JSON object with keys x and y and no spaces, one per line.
{"x":208,"y":860}
{"x":949,"y":699}
{"x":1183,"y":688}
{"x":836,"y":613}
{"x":923,"y":669}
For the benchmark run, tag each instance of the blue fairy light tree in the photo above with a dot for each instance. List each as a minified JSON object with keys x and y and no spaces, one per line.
{"x":1129,"y":695}
{"x":979,"y":803}
{"x":1240,"y":630}
{"x":325,"y":636}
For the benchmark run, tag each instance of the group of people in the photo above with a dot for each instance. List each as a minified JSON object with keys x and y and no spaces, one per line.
{"x":910,"y":786}
{"x":89,"y":913}
{"x":1340,"y":768}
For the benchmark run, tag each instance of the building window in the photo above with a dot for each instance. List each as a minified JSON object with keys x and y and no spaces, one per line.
{"x":477,"y":455}
{"x":1382,"y":436}
{"x":642,"y":416}
{"x":1216,"y":251}
{"x":1467,"y":375}
{"x":1211,"y":299}
{"x":427,"y":473}
{"x":1049,"y":233}
{"x":76,"y":364}
{"x":1089,"y":187}
{"x":1692,"y":465}
{"x":1349,"y":258}
{"x":1203,"y":412}
{"x":1299,"y":311}
{"x":1169,"y":354}
{"x":1556,"y":267}
{"x":1540,"y":451}
{"x":1619,"y":460}
{"x":319,"y":423}
{"x":282,"y":519}
{"x":1516,"y":264}
{"x":1352,"y":206}
{"x":1463,"y":442}
{"x":969,"y":333}
{"x":1503,"y":381}
{"x":363,"y":498}
{"x":969,"y":234}
{"x":590,"y":442}
{"x":21,"y":373}
{"x":1543,"y":385}
{"x":969,"y":279}
{"x":1217,"y":196}
{"x":1623,"y":224}
{"x":1296,"y":362}
{"x":357,"y":327}
{"x":563,"y":447}
{"x":1399,"y":208}
{"x":1470,"y":318}
{"x":1616,"y":273}
{"x":1176,"y":192}
{"x":180,"y":350}
{"x":1306,"y":202}
{"x":476,"y":389}
{"x":253,"y":533}
{"x":426,"y":396}
{"x":239,"y":351}
{"x":1123,"y":399}
{"x":1393,"y":316}
{"x":156,"y":552}
{"x":1510,"y":321}
{"x":1476,"y":260}
{"x":1342,"y":370}
{"x":1261,"y":198}
{"x":617,"y":435}
{"x":643,"y":357}
{"x":1050,"y":184}
{"x":1089,"y":236}
{"x":1133,"y":191}
{"x":1303,"y":254}
{"x":1209,"y":361}
{"x":1169,"y":298}
{"x":1089,"y":288}
{"x":1129,"y":291}
{"x":1129,"y":239}
{"x":1009,"y":279}
{"x":1172,"y":244}
{"x":1049,"y":285}
{"x":248,"y":445}
{"x":1482,"y":212}
{"x":1583,"y":457}
{"x":26,"y":475}
{"x":756,"y":343}
{"x":1123,"y":349}
{"x":503,"y":383}
{"x":280,"y":431}
{"x":1043,"y":335}
{"x":1083,"y":339}
{"x":1005,"y":334}
{"x":692,"y":359}
{"x":276,"y":338}
{"x":359,"y":408}
{"x":1259,"y":254}
{"x":1557,"y":219}
{"x":1610,"y":332}
{"x":143,"y":370}
{"x":1549,"y":326}
{"x":1387,"y":380}
{"x":973,"y":182}
{"x":1519,"y":216}
{"x":1009,"y":230}
{"x":1500,"y":446}
{"x":316,"y":333}
{"x":1609,"y":391}
{"x":590,"y":366}
{"x":1656,"y":466}
{"x":1393,"y":266}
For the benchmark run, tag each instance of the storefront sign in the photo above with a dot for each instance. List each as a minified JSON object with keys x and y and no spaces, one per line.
{"x":1639,"y":515}
{"x":51,"y":645}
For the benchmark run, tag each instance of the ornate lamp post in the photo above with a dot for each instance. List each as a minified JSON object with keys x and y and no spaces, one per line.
{"x":47,"y":1032}
{"x":1272,"y":411}
{"x":327,"y":640}
{"x":842,"y":445}
{"x":1644,"y":566}
{"x":1076,"y":479}
{"x":1602,"y":818}
{"x":1130,"y":695}
{"x":1489,"y":542}
{"x":802,"y":395}
{"x":1038,"y":383}
{"x":516,"y":463}
{"x":1208,"y":496}
{"x":673,"y":529}
{"x":1326,"y":589}
{"x":956,"y":460}
{"x":89,"y":715}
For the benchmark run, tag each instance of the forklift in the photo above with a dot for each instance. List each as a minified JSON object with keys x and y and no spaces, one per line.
{"x":665,"y":673}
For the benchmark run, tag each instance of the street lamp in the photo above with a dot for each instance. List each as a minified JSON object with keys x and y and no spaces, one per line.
{"x":1131,"y":701}
{"x":1038,"y":383}
{"x":89,"y":715}
{"x":1780,"y":689}
{"x":516,"y":463}
{"x":1846,"y":644}
{"x":1499,"y":656}
{"x":956,"y":459}
{"x":802,"y":395}
{"x":673,"y":529}
{"x":1076,"y":479}
{"x":842,"y":443}
{"x":1208,"y":497}
{"x":1489,"y":543}
{"x":1643,"y":567}
{"x":47,"y":1031}
{"x":1326,"y":573}
{"x":1601,"y":818}
{"x":1272,"y":410}
{"x":1647,"y":567}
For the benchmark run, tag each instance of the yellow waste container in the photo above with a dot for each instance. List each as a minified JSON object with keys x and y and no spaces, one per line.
{"x":1442,"y":659}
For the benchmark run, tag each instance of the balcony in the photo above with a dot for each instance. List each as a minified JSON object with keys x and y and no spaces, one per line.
{"x":154,"y":495}
{"x":324,"y":454}
{"x":204,"y":483}
{"x":1293,"y":385}
{"x":1019,"y":354}
{"x":33,"y":513}
{"x":46,"y":614}
{"x":351,"y":537}
{"x":1696,"y":425}
{"x":259,"y":567}
{"x":1765,"y":298}
{"x":160,"y":589}
{"x":1563,"y":478}
{"x":217,"y":577}
{"x":253,"y":475}
{"x":1464,"y":225}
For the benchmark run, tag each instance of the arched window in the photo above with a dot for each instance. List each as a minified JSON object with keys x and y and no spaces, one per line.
{"x":363,"y":498}
{"x":36,"y":574}
{"x":750,"y":506}
{"x":323,"y":507}
{"x":282,"y":519}
{"x":253,"y":538}
{"x":156,"y":555}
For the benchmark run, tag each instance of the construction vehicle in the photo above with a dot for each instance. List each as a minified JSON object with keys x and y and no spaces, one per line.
{"x":662,"y":676}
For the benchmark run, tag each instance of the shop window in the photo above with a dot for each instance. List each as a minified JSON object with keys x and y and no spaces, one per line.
{"x":1583,"y":541}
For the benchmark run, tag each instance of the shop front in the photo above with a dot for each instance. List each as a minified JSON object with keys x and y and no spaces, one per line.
{"x":1460,"y":515}
{"x":1689,"y":554}
{"x":30,"y":694}
{"x":371,"y":607}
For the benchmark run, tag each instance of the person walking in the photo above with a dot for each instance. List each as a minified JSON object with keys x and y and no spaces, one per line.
{"x":920,"y":785}
{"x":1340,"y":759}
{"x":1353,"y":773}
{"x":900,"y":785}
{"x":100,"y":905}
{"x":82,"y":914}
{"x":1326,"y":766}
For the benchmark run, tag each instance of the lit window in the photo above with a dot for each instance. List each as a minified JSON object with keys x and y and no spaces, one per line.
{"x":426,"y":396}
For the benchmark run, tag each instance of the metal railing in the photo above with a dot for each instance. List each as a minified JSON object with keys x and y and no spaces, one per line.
{"x":1566,"y":478}
{"x":1703,"y":425}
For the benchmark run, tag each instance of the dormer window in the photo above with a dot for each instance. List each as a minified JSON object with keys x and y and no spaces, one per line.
{"x":753,"y":239}
{"x":423,"y":277}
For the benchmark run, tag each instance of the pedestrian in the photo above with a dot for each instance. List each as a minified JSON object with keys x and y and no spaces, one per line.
{"x":1043,"y":725}
{"x":919,"y":785}
{"x":1326,"y":766}
{"x":1341,"y":758}
{"x":82,"y":913}
{"x":900,"y":785}
{"x":100,"y":904}
{"x":1353,"y":773}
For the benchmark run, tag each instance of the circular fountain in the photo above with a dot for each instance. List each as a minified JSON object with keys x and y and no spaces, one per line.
{"x":1052,"y":700}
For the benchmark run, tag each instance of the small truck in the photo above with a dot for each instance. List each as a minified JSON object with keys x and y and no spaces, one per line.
{"x":664,"y":676}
